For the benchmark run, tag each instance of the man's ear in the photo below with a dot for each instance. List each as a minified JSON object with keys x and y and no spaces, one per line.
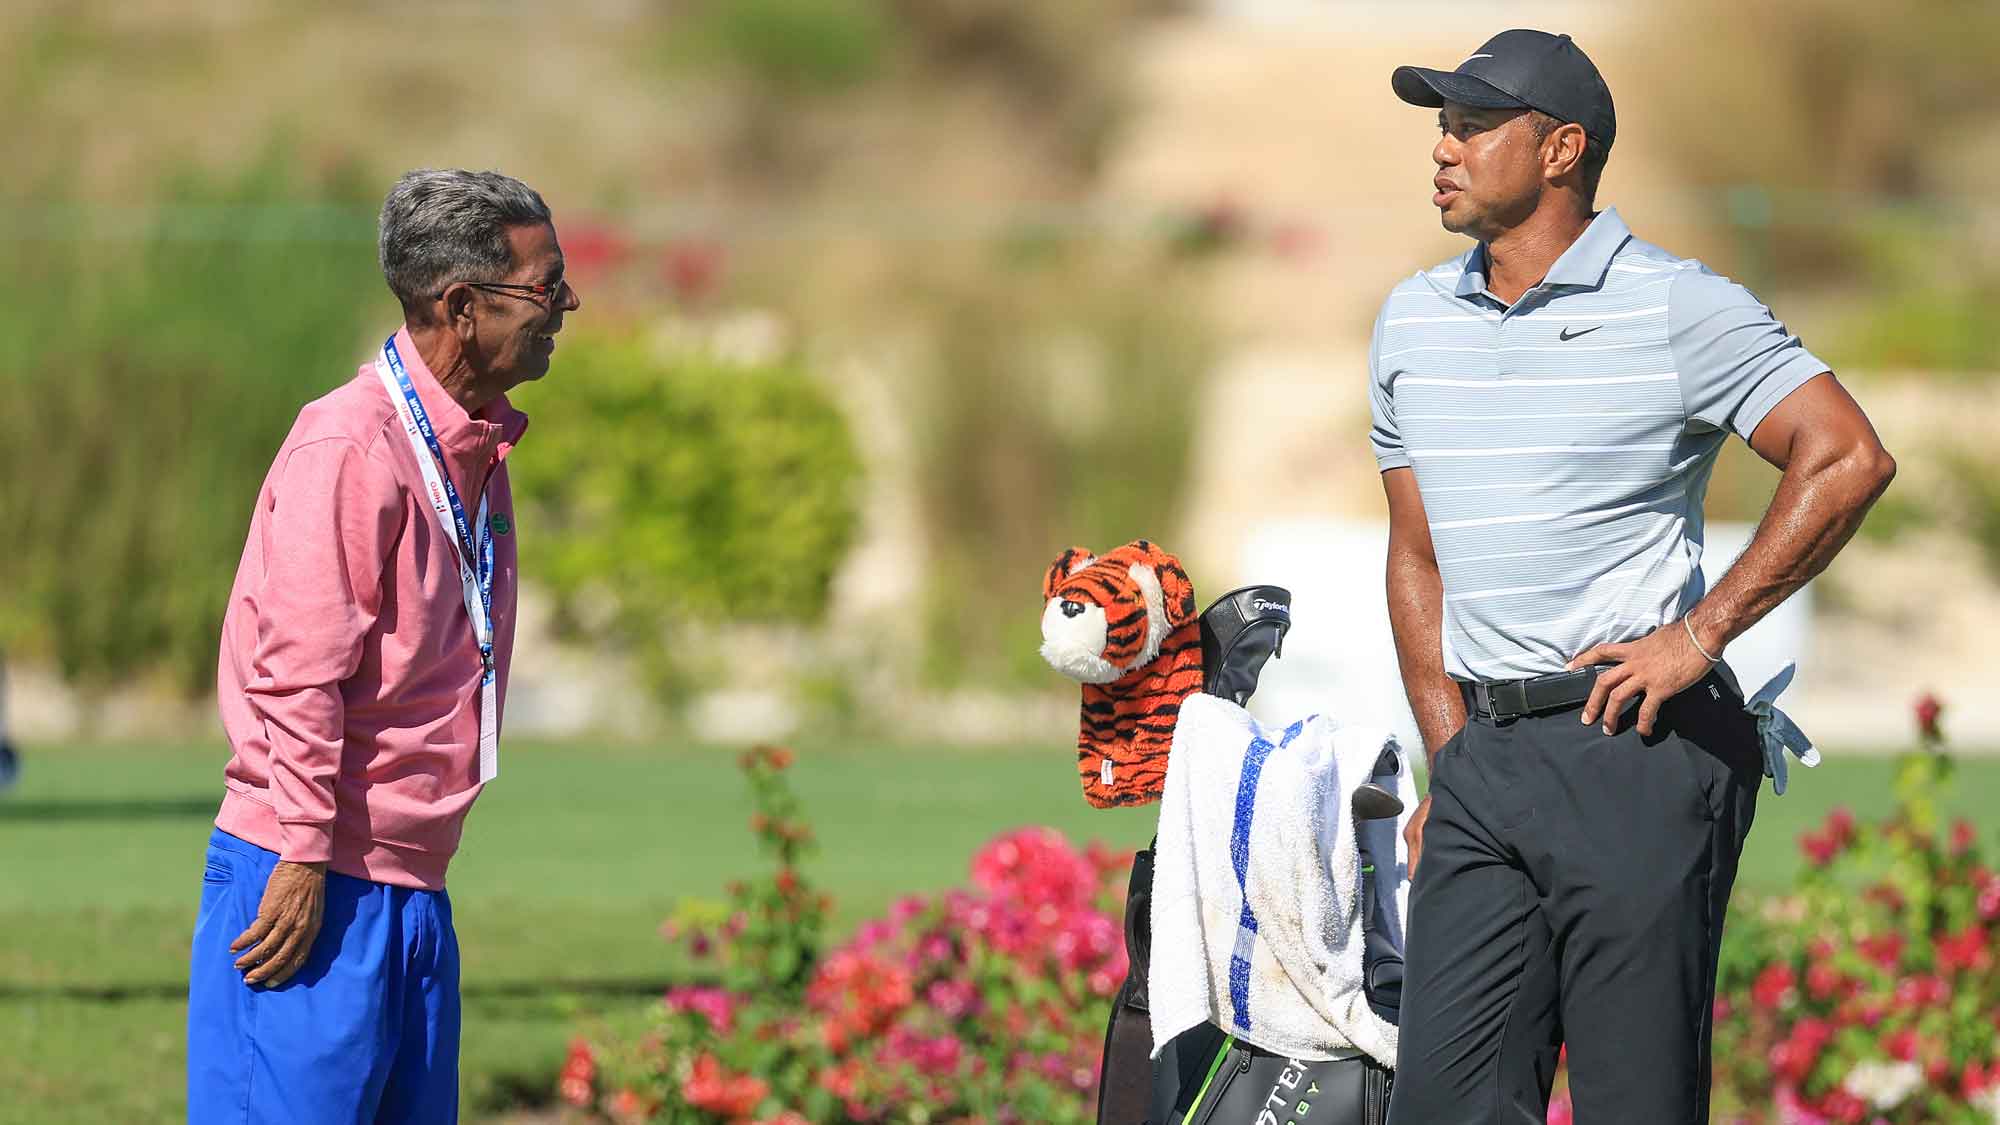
{"x":1562,"y":151}
{"x":1066,"y":564}
{"x":456,"y":302}
{"x":1176,"y":590}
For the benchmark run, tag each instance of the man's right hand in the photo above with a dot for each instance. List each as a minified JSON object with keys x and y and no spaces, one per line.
{"x":288,"y":920}
{"x":1413,"y":833}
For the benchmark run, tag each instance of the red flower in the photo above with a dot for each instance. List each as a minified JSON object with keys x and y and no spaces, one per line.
{"x":578,"y":1073}
{"x":1929,"y":708}
{"x":711,"y":1087}
{"x":1774,"y":986}
{"x":1963,"y":836}
{"x":590,"y":247}
{"x":1840,"y":826}
{"x":1823,"y":981}
{"x":1818,"y":847}
{"x":1844,"y":1107}
{"x":627,"y":1105}
{"x":1885,"y":950}
{"x":788,"y":880}
{"x":1976,"y":1078}
{"x":1964,"y":950}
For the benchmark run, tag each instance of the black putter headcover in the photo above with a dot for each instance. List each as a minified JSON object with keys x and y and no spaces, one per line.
{"x":1243,"y":629}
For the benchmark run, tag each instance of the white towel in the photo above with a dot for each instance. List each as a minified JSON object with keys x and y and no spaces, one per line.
{"x":1256,"y":884}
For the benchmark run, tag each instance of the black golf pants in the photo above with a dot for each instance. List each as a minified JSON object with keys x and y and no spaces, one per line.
{"x":1571,"y":890}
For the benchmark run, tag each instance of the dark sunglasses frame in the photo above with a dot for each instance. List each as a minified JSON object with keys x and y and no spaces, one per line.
{"x":541,"y":294}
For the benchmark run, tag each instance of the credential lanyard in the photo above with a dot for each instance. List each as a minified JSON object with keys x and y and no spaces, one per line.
{"x":475,"y":557}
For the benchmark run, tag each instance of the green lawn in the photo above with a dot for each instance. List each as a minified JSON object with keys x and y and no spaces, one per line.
{"x":567,"y":868}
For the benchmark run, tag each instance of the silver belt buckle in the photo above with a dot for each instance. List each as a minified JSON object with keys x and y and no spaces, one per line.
{"x":1482,"y":695}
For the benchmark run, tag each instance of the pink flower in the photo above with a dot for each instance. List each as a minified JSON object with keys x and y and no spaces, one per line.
{"x":716,"y":1004}
{"x":953,"y":999}
{"x":1819,"y":848}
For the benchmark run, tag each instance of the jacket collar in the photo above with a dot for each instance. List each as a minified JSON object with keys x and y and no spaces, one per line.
{"x":1582,"y":265}
{"x":472,"y":443}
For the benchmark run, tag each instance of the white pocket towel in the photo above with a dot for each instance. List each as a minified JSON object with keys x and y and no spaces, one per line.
{"x":1257,"y":885}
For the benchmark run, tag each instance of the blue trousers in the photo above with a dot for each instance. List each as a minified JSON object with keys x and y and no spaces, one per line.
{"x":365,"y":1032}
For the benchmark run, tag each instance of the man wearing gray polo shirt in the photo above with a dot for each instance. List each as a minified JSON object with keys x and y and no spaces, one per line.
{"x":1547,"y":409}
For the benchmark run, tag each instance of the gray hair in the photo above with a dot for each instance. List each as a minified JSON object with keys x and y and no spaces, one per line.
{"x":441,"y":225}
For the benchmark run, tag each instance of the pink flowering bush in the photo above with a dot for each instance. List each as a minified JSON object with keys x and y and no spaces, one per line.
{"x":1869,"y":994}
{"x":981,"y":1004}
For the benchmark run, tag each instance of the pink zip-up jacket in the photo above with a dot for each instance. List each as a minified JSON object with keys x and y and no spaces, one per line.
{"x":349,"y":675}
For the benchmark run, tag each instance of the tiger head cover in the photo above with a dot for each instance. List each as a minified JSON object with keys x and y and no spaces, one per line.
{"x":1124,"y":624}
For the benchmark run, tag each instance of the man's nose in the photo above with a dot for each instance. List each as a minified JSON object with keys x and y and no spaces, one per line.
{"x":1445,"y":153}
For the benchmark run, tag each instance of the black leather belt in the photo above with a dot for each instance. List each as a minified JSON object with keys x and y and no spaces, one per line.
{"x":1500,"y":701}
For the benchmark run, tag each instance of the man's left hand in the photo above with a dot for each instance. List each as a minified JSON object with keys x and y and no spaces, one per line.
{"x":1650,"y":670}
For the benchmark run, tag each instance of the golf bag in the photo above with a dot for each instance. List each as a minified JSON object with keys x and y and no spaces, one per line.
{"x":1205,"y":1076}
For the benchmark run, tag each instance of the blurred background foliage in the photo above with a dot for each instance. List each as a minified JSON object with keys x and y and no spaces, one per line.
{"x":669,"y":487}
{"x":167,"y":343}
{"x":924,"y":189}
{"x":1849,"y":147}
{"x":1840,"y":139}
{"x":1056,"y":402}
{"x":156,"y":405}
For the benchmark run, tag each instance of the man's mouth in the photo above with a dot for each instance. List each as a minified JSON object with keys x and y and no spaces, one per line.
{"x":1446,"y":191}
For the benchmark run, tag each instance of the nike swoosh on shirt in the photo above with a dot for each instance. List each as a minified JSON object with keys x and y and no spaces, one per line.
{"x":1566,"y":335}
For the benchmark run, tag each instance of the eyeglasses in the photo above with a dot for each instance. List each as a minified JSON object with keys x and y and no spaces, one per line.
{"x":548,"y":296}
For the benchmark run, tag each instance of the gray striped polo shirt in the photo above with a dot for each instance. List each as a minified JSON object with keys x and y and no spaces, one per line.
{"x":1563,"y":444}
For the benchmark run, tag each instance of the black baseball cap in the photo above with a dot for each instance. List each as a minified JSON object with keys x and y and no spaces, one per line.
{"x":1520,"y":69}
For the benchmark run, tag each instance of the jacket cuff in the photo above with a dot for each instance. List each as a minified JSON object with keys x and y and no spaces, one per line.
{"x":305,"y":841}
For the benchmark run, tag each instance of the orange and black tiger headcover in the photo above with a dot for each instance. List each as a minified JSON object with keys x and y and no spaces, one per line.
{"x":1124,"y":624}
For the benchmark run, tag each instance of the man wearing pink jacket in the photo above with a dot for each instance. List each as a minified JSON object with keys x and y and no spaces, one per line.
{"x":364,"y":661}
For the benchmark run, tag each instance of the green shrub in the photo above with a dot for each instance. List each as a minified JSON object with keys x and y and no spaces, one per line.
{"x":681,"y":488}
{"x":148,"y":380}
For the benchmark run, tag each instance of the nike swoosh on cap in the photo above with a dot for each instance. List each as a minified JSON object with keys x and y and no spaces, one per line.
{"x":1469,"y":58}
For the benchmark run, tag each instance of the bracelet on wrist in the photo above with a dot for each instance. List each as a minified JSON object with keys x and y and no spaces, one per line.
{"x":1688,"y":624}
